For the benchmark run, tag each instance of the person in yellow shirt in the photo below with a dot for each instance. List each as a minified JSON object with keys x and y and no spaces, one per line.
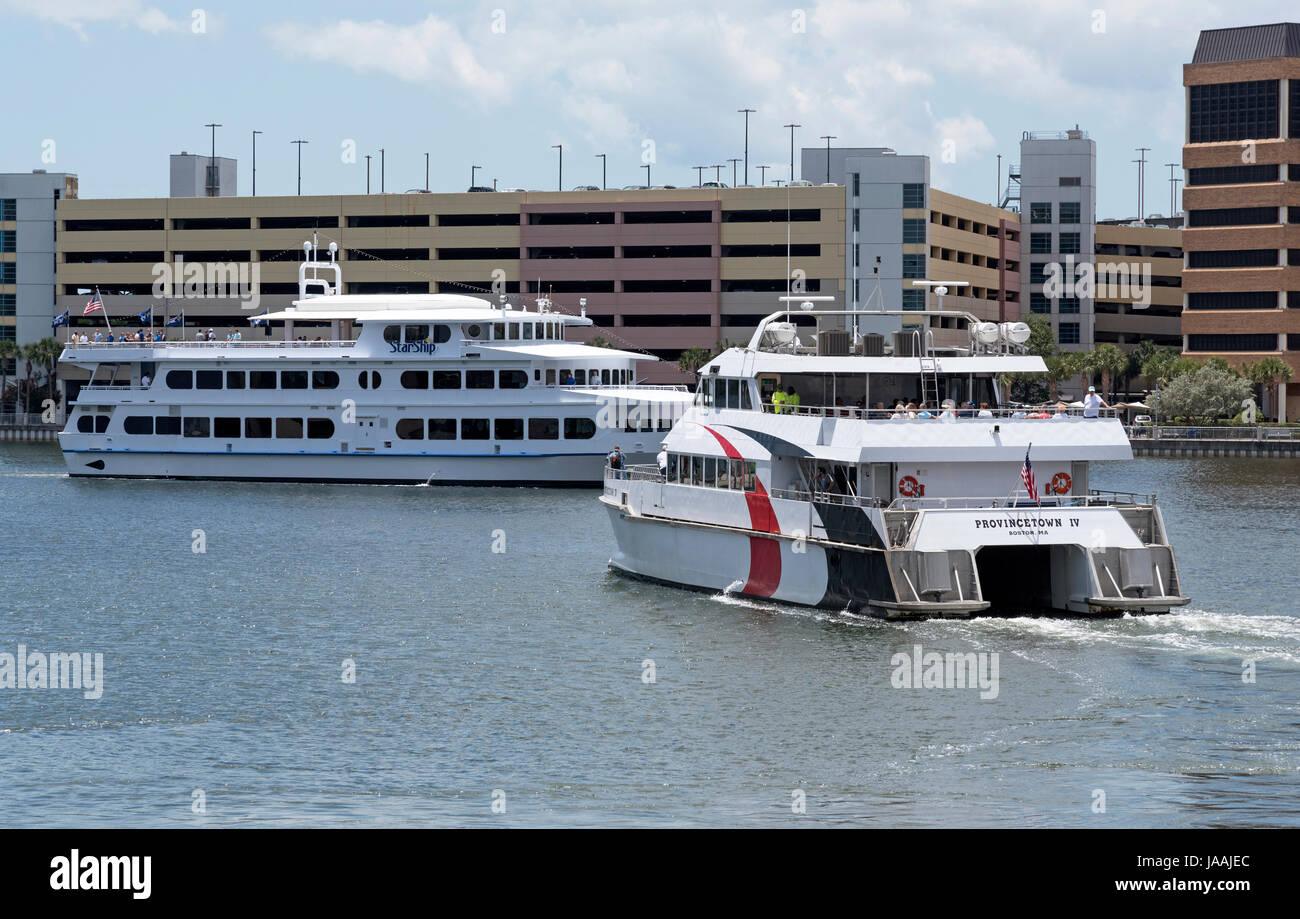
{"x":778,"y":402}
{"x":791,"y":400}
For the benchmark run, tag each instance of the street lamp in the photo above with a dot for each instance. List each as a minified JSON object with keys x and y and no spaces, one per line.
{"x":699,"y":175}
{"x":762,"y":174}
{"x":381,"y":170}
{"x":368,"y":173}
{"x":426,"y":172}
{"x":214,"y":175}
{"x":602,"y":170}
{"x":828,"y":138}
{"x":299,"y":143}
{"x":560,"y":147}
{"x":646,"y":167}
{"x":792,"y":127}
{"x":473,"y":175}
{"x":748,"y":112}
{"x":255,"y":133}
{"x":733,"y":161}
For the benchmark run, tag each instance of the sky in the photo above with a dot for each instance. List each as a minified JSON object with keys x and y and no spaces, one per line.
{"x":107,"y":89}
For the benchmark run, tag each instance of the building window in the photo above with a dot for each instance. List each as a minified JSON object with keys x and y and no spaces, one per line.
{"x":1069,"y":241}
{"x":1233,"y":217}
{"x":8,"y":209}
{"x":1040,"y":212}
{"x":1071,"y":212}
{"x":1233,"y":258}
{"x":8,"y":304}
{"x":1233,"y":175}
{"x":1038,"y":272}
{"x":913,"y":194}
{"x":914,"y":229}
{"x":1233,"y":300}
{"x":1068,"y":333}
{"x":1067,"y":305}
{"x":1038,"y":303}
{"x":1232,"y":111}
{"x":1247,"y":342}
{"x":1040,"y":243}
{"x":1070,"y":181}
{"x":857,"y":184}
{"x":914,"y":265}
{"x":857,"y":219}
{"x":8,"y":273}
{"x":914,"y":300}
{"x":8,"y":241}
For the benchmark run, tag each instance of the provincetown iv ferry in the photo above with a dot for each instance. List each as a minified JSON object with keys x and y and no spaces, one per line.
{"x":438,"y":389}
{"x":843,"y":502}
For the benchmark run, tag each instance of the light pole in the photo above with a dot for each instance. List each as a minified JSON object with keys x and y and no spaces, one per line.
{"x":602,"y":170}
{"x":733,"y":161}
{"x":368,"y":173}
{"x":748,"y":112}
{"x":762,"y":174}
{"x":792,"y":127}
{"x":473,"y":176}
{"x":717,"y":173}
{"x":1173,"y":189}
{"x":560,"y":147}
{"x":381,"y":170}
{"x":255,"y":133}
{"x":699,"y":175}
{"x":299,"y":143}
{"x":214,"y":175}
{"x":1142,"y":180}
{"x":646,"y":167}
{"x":426,"y":172}
{"x":828,"y":138}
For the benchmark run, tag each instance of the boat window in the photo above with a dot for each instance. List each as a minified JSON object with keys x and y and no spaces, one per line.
{"x":749,"y":475}
{"x":670,"y":472}
{"x":514,"y":331}
{"x":196,"y":427}
{"x":724,"y":472}
{"x":320,"y":428}
{"x":180,"y":379}
{"x":207,"y":379}
{"x":510,"y":429}
{"x":410,"y":429}
{"x":288,"y":428}
{"x":442,"y":428}
{"x":543,"y":428}
{"x":261,"y":379}
{"x":744,"y":396}
{"x":324,"y":379}
{"x":498,"y":331}
{"x":710,"y":471}
{"x":417,"y":333}
{"x":579,"y":428}
{"x":604,"y":377}
{"x":363,"y":379}
{"x":474,"y":429}
{"x":138,"y":424}
{"x":594,"y":376}
{"x":580,"y":377}
{"x":375,"y":379}
{"x":234,"y":379}
{"x":255,"y":427}
{"x":478,"y":379}
{"x":537,"y":375}
{"x":513,"y":379}
{"x":226,"y":427}
{"x":446,"y":379}
{"x":528,"y":331}
{"x":293,"y":379}
{"x":167,"y":426}
{"x":550,"y":377}
{"x":473,"y":331}
{"x":415,"y":379}
{"x":441,"y":333}
{"x":697,"y":470}
{"x":86,"y":424}
{"x":736,"y":472}
{"x":392,"y":333}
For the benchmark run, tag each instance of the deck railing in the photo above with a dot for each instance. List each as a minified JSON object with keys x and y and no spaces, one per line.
{"x":1193,"y":432}
{"x":959,"y":414}
{"x":128,"y":345}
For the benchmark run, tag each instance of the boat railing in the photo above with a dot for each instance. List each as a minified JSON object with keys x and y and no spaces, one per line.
{"x":1197,"y":432}
{"x":114,"y":387}
{"x":128,"y":345}
{"x":657,"y":387}
{"x":1091,"y":499}
{"x":960,"y":414}
{"x":639,"y":473}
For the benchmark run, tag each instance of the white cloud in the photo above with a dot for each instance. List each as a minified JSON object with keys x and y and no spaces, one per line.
{"x":77,"y":15}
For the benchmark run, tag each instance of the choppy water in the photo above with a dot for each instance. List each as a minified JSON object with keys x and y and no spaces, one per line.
{"x":522,"y":671}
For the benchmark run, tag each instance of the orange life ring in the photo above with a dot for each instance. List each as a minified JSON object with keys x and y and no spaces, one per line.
{"x":1061,"y":483}
{"x":909,"y":487}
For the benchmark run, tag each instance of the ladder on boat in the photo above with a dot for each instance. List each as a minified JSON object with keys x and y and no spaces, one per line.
{"x":930,"y":382}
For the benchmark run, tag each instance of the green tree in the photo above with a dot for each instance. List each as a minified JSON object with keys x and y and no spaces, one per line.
{"x":1061,"y":367}
{"x":692,"y":359}
{"x":600,"y":342}
{"x":45,"y":353}
{"x":1204,"y":395}
{"x":1266,"y":372}
{"x":1109,"y":361}
{"x":1158,"y":366}
{"x":8,"y":351}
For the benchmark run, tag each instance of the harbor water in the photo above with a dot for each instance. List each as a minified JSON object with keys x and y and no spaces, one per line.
{"x":311,"y":655}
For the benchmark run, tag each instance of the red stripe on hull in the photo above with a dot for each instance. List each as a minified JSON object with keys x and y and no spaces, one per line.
{"x":764,"y":567}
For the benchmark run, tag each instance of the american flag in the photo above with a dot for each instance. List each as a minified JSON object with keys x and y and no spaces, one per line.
{"x":96,"y":305}
{"x":1027,"y":476}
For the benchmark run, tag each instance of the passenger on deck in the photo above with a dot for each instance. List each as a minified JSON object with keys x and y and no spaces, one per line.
{"x":1061,"y":414}
{"x":985,"y":412}
{"x":145,"y":381}
{"x":911,"y":410}
{"x":110,"y":337}
{"x":840,"y":408}
{"x":949,"y":412}
{"x":899,"y":413}
{"x":778,"y":402}
{"x":1092,"y":402}
{"x":570,"y":380}
{"x":824,"y":482}
{"x":662,"y":459}
{"x":967,"y":410}
{"x":791,"y":400}
{"x":924,"y":412}
{"x":616,"y":461}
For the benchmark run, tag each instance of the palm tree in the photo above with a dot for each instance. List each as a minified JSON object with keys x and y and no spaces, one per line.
{"x":692,"y":359}
{"x":1110,"y":361}
{"x":1266,"y":372}
{"x":8,"y":351}
{"x":1060,"y":367}
{"x":46,"y":352}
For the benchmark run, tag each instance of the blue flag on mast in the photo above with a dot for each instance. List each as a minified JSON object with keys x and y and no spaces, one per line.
{"x":61,"y":319}
{"x":178,"y":319}
{"x":146,"y":318}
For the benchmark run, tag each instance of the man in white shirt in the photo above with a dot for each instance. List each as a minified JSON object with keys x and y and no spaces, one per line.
{"x":1092,"y":402}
